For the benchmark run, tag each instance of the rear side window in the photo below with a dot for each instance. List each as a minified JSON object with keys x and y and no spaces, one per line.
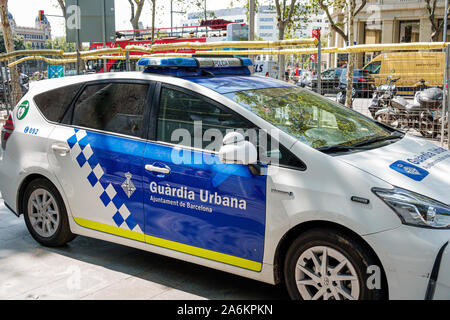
{"x":54,"y":103}
{"x":113,"y":107}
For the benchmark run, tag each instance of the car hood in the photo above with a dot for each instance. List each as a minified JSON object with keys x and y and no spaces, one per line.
{"x":412,"y":163}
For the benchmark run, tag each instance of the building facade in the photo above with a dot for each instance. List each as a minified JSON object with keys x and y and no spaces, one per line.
{"x":38,"y":35}
{"x":388,"y":21}
{"x":265,"y":21}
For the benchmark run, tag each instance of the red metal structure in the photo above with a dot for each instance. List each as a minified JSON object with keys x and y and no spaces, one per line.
{"x":212,"y":30}
{"x":119,"y":65}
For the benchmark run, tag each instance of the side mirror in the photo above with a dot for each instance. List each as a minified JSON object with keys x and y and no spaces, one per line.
{"x":236,"y":150}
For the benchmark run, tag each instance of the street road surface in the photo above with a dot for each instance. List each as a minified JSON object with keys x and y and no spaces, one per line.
{"x":94,"y":269}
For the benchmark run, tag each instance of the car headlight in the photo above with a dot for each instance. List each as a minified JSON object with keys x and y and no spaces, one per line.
{"x":415,"y":209}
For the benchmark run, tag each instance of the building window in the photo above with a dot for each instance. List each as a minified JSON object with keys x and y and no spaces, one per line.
{"x":409,"y":31}
{"x":441,"y":34}
{"x":266,"y":27}
{"x":372,"y":32}
{"x":266,"y":19}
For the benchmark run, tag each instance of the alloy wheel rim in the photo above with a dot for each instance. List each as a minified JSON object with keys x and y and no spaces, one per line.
{"x":43,"y":213}
{"x":324,"y":273}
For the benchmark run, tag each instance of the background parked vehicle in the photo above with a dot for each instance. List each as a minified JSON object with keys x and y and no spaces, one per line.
{"x":363,"y":85}
{"x":304,"y":79}
{"x":266,"y":68}
{"x":383,"y":96}
{"x":23,"y":81}
{"x":424,"y":114}
{"x":410,"y":67}
{"x":329,"y":81}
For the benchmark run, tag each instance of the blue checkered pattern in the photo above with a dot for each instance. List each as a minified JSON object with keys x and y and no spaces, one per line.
{"x":83,"y":155}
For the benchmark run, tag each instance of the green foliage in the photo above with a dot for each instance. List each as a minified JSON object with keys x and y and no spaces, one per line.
{"x":60,"y":44}
{"x":19,"y":43}
{"x":196,"y":5}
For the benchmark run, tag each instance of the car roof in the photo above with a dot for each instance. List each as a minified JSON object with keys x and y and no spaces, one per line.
{"x":220,"y":84}
{"x":229,"y":84}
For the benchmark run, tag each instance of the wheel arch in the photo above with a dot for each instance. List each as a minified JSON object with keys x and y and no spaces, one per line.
{"x":27,"y":180}
{"x":289,"y":237}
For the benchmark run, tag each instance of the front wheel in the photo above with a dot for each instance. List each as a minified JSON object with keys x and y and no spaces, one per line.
{"x":388,"y":119}
{"x":45,"y":214}
{"x":325,"y":264}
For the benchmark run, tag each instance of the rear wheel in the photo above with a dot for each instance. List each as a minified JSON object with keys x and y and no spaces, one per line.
{"x":325,"y":264}
{"x":45,"y":214}
{"x":388,"y":119}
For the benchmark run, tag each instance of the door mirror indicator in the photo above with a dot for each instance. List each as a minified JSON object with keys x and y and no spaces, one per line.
{"x":236,"y":150}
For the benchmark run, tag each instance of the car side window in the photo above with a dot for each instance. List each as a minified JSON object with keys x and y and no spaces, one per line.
{"x":113,"y":107}
{"x":192,"y":122}
{"x":54,"y":103}
{"x":183,"y":117}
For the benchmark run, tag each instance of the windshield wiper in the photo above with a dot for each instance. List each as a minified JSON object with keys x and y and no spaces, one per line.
{"x":393,"y":136}
{"x":360,"y":145}
{"x":339,"y":148}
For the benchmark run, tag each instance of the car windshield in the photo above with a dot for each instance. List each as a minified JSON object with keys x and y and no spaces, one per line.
{"x":310,"y":118}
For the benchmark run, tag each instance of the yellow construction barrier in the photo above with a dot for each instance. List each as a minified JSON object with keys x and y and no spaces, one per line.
{"x":267,"y":52}
{"x":134,"y":48}
{"x":232,"y":44}
{"x":48,"y":60}
{"x":263,"y":46}
{"x":31,"y":52}
{"x":94,"y":52}
{"x":394,"y":47}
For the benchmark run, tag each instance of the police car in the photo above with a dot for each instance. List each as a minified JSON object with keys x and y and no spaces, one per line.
{"x":199,"y":160}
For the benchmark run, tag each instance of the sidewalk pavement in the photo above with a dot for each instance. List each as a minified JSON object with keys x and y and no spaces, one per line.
{"x":94,"y":269}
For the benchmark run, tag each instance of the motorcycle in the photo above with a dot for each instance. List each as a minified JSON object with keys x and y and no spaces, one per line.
{"x":383,"y":96}
{"x":423,"y":115}
{"x":342,"y":95}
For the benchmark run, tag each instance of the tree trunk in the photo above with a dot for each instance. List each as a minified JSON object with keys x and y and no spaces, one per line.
{"x":281,"y":57}
{"x":153,"y":20}
{"x":135,"y":16}
{"x":351,"y":56}
{"x":82,"y":63}
{"x":16,"y":93}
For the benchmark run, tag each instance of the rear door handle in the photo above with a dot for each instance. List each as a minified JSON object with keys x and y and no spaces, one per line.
{"x":156,"y":169}
{"x":60,"y":149}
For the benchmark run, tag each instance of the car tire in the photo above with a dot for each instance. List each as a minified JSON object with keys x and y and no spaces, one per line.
{"x":45,"y":214}
{"x":305,"y":282}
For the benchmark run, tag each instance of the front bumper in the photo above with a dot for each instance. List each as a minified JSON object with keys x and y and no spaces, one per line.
{"x":442,"y":289}
{"x":408,"y":255}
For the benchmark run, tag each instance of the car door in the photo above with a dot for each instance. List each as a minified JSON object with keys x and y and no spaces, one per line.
{"x":192,"y":202}
{"x":96,"y":154}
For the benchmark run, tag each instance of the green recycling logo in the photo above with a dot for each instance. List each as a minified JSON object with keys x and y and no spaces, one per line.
{"x":23,"y":110}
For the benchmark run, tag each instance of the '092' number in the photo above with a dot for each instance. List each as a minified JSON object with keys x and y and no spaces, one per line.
{"x":32,"y":131}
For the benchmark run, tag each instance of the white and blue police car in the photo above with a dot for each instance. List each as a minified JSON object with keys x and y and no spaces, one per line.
{"x":199,"y":160}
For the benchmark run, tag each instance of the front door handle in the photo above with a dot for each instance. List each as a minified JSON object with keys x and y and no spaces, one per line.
{"x":152,"y":168}
{"x":60,"y":149}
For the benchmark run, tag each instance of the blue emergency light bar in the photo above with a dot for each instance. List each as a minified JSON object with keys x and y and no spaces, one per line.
{"x":198,"y":66}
